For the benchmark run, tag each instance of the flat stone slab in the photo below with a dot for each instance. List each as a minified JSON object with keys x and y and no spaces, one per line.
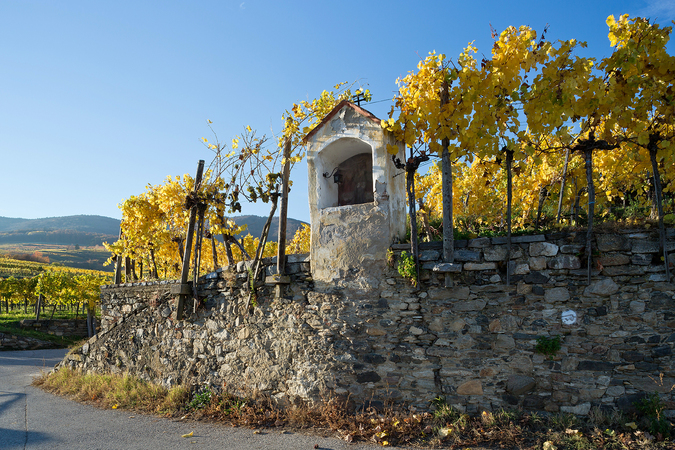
{"x":447,"y":268}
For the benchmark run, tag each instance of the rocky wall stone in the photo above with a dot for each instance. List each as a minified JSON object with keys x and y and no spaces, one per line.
{"x":473,"y":342}
{"x":57,"y":327}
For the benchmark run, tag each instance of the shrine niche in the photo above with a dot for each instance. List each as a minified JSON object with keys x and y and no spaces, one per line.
{"x":356,"y":180}
{"x":357,"y":204}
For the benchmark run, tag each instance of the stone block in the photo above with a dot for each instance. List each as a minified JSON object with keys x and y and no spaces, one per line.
{"x":527,"y":239}
{"x":569,"y":364}
{"x":520,"y":384}
{"x":456,"y":293}
{"x":604,"y":287}
{"x":457,"y":325}
{"x":521,"y":364}
{"x":495,"y":253}
{"x":557,"y":294}
{"x":657,"y":277}
{"x":641,"y":259}
{"x":518,"y":268}
{"x":464,"y":342}
{"x":564,"y":262}
{"x":660,"y":352}
{"x":537,"y":262}
{"x":637,"y":306}
{"x":535,"y":278}
{"x":480,"y":266}
{"x":471,"y":305}
{"x":480,"y":242}
{"x":472,"y":387}
{"x":613,"y":243}
{"x":543,"y":249}
{"x":645,"y":246}
{"x":467,"y":255}
{"x":416,"y":331}
{"x":597,"y":366}
{"x":627,"y":270}
{"x":447,"y":268}
{"x":615,"y":391}
{"x":503,"y":342}
{"x":429,"y":255}
{"x":368,"y":377}
{"x":633,"y":356}
{"x":582,"y":409}
{"x":614,"y":259}
{"x":572,"y":248}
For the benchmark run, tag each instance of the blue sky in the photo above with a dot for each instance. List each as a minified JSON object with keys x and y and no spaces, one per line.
{"x":98,"y":99}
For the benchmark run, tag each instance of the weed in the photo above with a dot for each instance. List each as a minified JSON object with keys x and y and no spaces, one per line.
{"x":444,"y":413}
{"x":548,"y":346}
{"x":407,"y":268}
{"x":390,"y":258}
{"x":251,"y":285}
{"x":445,"y":427}
{"x":563,"y":421}
{"x":652,"y":408}
{"x":504,"y":417}
{"x":200,"y":399}
{"x":125,"y":391}
{"x":602,"y":419}
{"x":575,"y":440}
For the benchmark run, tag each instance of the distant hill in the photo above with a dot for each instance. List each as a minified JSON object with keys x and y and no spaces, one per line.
{"x":257,"y":223}
{"x":68,"y":230}
{"x":87,"y":224}
{"x":93,"y":230}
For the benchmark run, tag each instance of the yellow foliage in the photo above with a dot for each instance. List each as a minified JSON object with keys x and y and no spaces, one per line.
{"x":301,"y":240}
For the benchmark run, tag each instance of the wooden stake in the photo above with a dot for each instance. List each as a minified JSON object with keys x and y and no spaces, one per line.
{"x":118,"y":263}
{"x":185,"y":272}
{"x":283,"y":213}
{"x":448,"y":227}
{"x":659,"y":205}
{"x":588,"y":157}
{"x":509,"y":196}
{"x":562,"y":185}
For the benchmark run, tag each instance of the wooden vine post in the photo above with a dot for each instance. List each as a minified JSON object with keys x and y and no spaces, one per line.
{"x":196,"y":266}
{"x":588,"y":158}
{"x":509,"y":197}
{"x":562,"y":185}
{"x":448,"y":228}
{"x":281,"y":278}
{"x":410,"y":167}
{"x":118,"y":263}
{"x":658,"y":190}
{"x":183,"y":290}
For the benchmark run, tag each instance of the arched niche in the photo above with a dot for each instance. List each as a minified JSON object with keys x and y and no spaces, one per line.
{"x":352,"y":160}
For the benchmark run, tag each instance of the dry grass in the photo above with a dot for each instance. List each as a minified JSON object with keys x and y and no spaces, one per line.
{"x":114,"y":391}
{"x":445,"y":427}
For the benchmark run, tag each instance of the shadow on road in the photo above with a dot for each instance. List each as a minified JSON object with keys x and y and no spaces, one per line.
{"x":11,"y":439}
{"x":47,"y":359}
{"x":8,"y":398}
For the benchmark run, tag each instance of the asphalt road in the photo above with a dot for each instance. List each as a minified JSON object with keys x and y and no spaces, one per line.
{"x":33,"y":419}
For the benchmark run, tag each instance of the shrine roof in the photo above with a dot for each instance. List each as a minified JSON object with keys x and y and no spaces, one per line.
{"x":344,"y":103}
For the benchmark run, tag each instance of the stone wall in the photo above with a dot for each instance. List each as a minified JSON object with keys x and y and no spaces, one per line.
{"x":473,"y":342}
{"x":10,"y":341}
{"x":57,"y":327}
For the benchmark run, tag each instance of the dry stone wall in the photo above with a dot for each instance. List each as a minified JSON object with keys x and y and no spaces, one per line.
{"x":473,"y":342}
{"x":57,"y":327}
{"x":10,"y":341}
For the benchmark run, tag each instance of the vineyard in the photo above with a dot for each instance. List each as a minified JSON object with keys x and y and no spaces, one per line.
{"x":537,"y":135}
{"x":40,"y":289}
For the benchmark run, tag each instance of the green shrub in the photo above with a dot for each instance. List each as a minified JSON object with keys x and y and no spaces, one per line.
{"x":548,"y":346}
{"x":406,"y":267}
